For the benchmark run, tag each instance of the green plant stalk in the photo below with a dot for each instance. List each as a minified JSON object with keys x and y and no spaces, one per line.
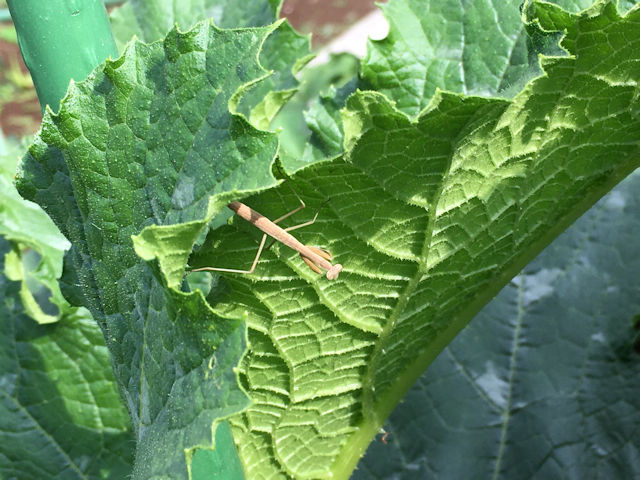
{"x":61,"y":40}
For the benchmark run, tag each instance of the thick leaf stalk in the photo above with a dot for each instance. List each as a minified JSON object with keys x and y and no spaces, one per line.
{"x":61,"y":40}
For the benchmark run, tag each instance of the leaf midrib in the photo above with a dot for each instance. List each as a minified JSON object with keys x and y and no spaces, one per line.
{"x":369,"y":380}
{"x":506,"y":411}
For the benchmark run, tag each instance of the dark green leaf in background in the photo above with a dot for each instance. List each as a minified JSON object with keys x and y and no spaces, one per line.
{"x":477,"y":48}
{"x":543,"y":382}
{"x":60,"y":412}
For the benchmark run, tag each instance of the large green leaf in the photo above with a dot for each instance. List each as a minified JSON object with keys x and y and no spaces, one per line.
{"x":411,"y":62}
{"x":430,"y":218}
{"x":543,"y":382}
{"x":283,"y":53}
{"x":59,"y":400}
{"x":148,"y":140}
{"x":150,"y":20}
{"x":473,"y":47}
{"x":60,"y":412}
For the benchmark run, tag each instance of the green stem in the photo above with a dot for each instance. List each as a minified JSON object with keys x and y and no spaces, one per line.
{"x":61,"y":40}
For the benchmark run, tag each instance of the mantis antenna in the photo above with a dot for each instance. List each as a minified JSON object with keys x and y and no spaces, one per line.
{"x":314,"y":257}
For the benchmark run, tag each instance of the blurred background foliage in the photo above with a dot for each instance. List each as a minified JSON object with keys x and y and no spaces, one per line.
{"x":19,"y":108}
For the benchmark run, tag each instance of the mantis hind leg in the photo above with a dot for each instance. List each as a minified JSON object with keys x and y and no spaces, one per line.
{"x":233,"y":270}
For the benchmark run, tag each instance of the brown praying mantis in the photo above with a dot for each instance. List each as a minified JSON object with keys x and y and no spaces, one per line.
{"x":316,"y":258}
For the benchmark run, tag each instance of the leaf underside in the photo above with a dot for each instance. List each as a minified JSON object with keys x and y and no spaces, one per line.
{"x":546,"y":372}
{"x":429,"y":217}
